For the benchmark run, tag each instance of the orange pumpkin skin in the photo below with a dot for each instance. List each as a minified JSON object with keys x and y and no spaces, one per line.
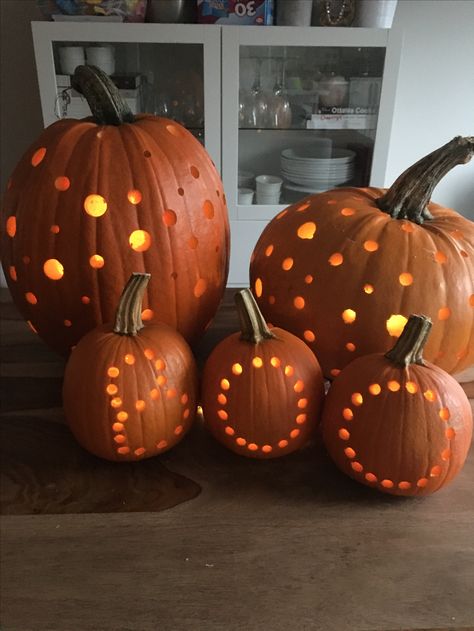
{"x":404,"y":431}
{"x":130,"y":397}
{"x":334,"y":266}
{"x":159,"y":207}
{"x":262,"y":400}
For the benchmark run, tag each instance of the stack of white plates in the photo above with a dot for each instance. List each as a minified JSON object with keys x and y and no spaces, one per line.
{"x":312,"y":172}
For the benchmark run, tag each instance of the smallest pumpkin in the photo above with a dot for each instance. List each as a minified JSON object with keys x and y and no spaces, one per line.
{"x":130,"y":390}
{"x":396,"y":422}
{"x":262,"y":388}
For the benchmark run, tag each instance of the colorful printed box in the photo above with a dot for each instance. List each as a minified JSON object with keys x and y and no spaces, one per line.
{"x":235,"y":12}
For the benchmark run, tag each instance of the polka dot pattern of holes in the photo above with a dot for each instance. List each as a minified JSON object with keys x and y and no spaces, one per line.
{"x":118,"y":427}
{"x":301,"y":405}
{"x":96,"y":206}
{"x":307,"y":230}
{"x":348,"y":414}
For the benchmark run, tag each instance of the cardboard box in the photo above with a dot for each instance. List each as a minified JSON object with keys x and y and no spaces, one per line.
{"x":235,"y":12}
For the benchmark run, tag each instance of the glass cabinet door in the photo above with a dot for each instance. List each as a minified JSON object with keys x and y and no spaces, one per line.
{"x":156,"y":70}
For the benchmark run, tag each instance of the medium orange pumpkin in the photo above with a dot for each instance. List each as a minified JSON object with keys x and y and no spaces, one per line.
{"x":350,"y":261}
{"x":262,"y":388}
{"x":93,"y":200}
{"x":130,"y":390}
{"x":396,"y":422}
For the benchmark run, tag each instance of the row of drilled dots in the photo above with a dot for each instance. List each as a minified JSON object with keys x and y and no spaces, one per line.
{"x":257,"y":363}
{"x":375,"y":389}
{"x":396,"y":322}
{"x":119,"y":425}
{"x":95,"y":206}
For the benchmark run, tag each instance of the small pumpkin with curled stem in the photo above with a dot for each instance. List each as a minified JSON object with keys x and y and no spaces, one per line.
{"x":130,"y":390}
{"x":262,"y":388}
{"x":396,"y":422}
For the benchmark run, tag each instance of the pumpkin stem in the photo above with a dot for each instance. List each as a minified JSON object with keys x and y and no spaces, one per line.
{"x":408,"y":348}
{"x":409,"y":195}
{"x":103,"y":97}
{"x":252,"y":323}
{"x":128,"y":317}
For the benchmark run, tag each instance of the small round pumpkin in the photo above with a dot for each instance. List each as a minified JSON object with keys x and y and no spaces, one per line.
{"x":262,"y":388}
{"x":93,"y":200}
{"x":397,"y":423}
{"x":130,"y":390}
{"x":352,"y":261}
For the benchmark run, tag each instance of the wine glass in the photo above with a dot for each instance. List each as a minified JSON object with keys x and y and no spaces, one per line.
{"x":279,"y":108}
{"x":257,"y":106}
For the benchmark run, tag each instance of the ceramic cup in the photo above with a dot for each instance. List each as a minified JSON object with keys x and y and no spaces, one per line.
{"x":103,"y":57}
{"x":268,"y":189}
{"x":70,"y":57}
{"x":245,"y":196}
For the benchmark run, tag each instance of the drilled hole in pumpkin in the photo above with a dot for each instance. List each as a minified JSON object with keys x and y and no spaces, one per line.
{"x":38,"y":156}
{"x":282,"y":214}
{"x":444,"y":313}
{"x":53,"y":269}
{"x":252,"y":446}
{"x":194,"y":172}
{"x":85,"y":300}
{"x":295,"y":433}
{"x":169,"y":217}
{"x":450,"y":433}
{"x":241,"y":441}
{"x":350,"y":453}
{"x":405,"y":279}
{"x":435,"y":471}
{"x":395,"y":324}
{"x":268,"y":250}
{"x":344,"y":434}
{"x":116,"y":402}
{"x":55,"y":229}
{"x":370,"y":477}
{"x":300,"y":419}
{"x":257,"y":362}
{"x":123,"y":450}
{"x":154,"y":394}
{"x":222,"y":399}
{"x":407,"y":226}
{"x":357,"y":466}
{"x":119,"y":438}
{"x":302,"y":403}
{"x":282,"y":444}
{"x":162,"y":444}
{"x":388,"y":484}
{"x":275,"y":362}
{"x":140,"y":451}
{"x":348,"y":414}
{"x":289,"y":370}
{"x":225,"y":384}
{"x":186,"y":413}
{"x":31,"y":298}
{"x":67,"y":323}
{"x":303,"y":207}
{"x":161,"y":380}
{"x":258,"y":287}
{"x":12,"y":272}
{"x":11,"y":226}
{"x":184,"y":398}
{"x":307,"y":230}
{"x":149,"y":353}
{"x":335,"y":371}
{"x":350,"y":347}
{"x":139,"y":240}
{"x":411,"y":387}
{"x":134,"y":196}
{"x":299,"y":302}
{"x":393,"y":386}
{"x":446,"y":454}
{"x":287,"y":264}
{"x":200,"y":288}
{"x":208,"y":208}
{"x":129,"y":359}
{"x":308,"y":279}
{"x":368,"y":288}
{"x":271,"y":300}
{"x":375,"y":389}
{"x":371,"y":246}
{"x":140,"y":405}
{"x":347,"y":212}
{"x":357,"y":399}
{"x":267,"y":449}
{"x":429,"y":395}
{"x":237,"y":369}
{"x":62,"y":183}
{"x":336,"y":259}
{"x":440,"y":257}
{"x":444,"y":414}
{"x":147,"y":153}
{"x":178,"y":430}
{"x":309,"y":336}
{"x":171,"y":393}
{"x":122,"y":416}
{"x":299,"y":386}
{"x":349,"y":316}
{"x":229,"y":430}
{"x":95,"y":205}
{"x":96,"y":261}
{"x":147,"y":314}
{"x":111,"y":389}
{"x":118,"y":427}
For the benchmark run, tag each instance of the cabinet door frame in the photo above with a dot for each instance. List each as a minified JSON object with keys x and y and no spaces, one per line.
{"x":209,"y":36}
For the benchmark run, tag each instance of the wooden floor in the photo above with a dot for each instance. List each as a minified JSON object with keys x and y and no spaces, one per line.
{"x":202,"y":540}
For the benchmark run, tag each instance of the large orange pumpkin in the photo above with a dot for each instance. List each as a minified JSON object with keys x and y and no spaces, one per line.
{"x":130,"y":390}
{"x":94,"y":200}
{"x":397,"y":423}
{"x":350,"y":261}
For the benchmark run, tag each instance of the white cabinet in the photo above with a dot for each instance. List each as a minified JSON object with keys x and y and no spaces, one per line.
{"x":311,"y":107}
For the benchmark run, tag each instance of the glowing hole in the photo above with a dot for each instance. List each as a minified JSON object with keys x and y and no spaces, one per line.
{"x":429,"y":395}
{"x":350,"y":453}
{"x":116,"y":402}
{"x":446,"y":454}
{"x":407,"y":227}
{"x":269,"y":249}
{"x":444,"y":313}
{"x":303,"y":207}
{"x":370,"y":477}
{"x":349,"y":316}
{"x":252,"y":446}
{"x":275,"y":362}
{"x":129,"y":359}
{"x":186,"y":413}
{"x":200,"y":288}
{"x":184,"y":399}
{"x":295,"y":433}
{"x":194,"y":172}
{"x":336,"y":259}
{"x":149,"y":353}
{"x":411,"y":387}
{"x":344,"y":434}
{"x":450,"y":433}
{"x":471,"y":300}
{"x":375,"y":389}
{"x":241,"y":441}
{"x":222,"y":414}
{"x":85,"y":300}
{"x":307,"y":230}
{"x":139,"y":240}
{"x":55,"y":229}
{"x":287,"y":264}
{"x":357,"y":466}
{"x":388,"y":484}
{"x":348,"y":414}
{"x":162,"y":444}
{"x":178,"y":430}
{"x":140,"y":405}
{"x":140,"y":451}
{"x":160,"y":364}
{"x":368,"y":288}
{"x":134,"y":196}
{"x":161,"y":380}
{"x":67,"y":322}
{"x":95,"y":205}
{"x":147,"y":314}
{"x":371,"y":246}
{"x":11,"y":226}
{"x":405,"y":279}
{"x":31,"y":298}
{"x":154,"y":394}
{"x":440,"y":257}
{"x":395,"y":325}
{"x":350,"y":347}
{"x":299,"y":302}
{"x":309,"y":336}
{"x":271,"y":300}
{"x":237,"y":369}
{"x":12,"y":272}
{"x":38,"y":156}
{"x":257,"y":362}
{"x":289,"y":370}
{"x":444,"y":414}
{"x":282,"y":444}
{"x":300,"y":419}
{"x":393,"y":386}
{"x":96,"y":261}
{"x":435,"y":471}
{"x":171,"y":393}
{"x":335,"y":372}
{"x":123,"y":450}
{"x":299,"y":386}
{"x":308,"y":279}
{"x":120,"y":438}
{"x":225,"y":384}
{"x":169,"y":217}
{"x":122,"y":416}
{"x":118,"y":427}
{"x":53,"y":269}
{"x":111,"y":389}
{"x":302,"y":403}
{"x":229,"y":430}
{"x":258,"y":287}
{"x":267,"y":449}
{"x":208,"y":208}
{"x":347,"y":212}
{"x":282,"y":214}
{"x":404,"y":486}
{"x":357,"y":398}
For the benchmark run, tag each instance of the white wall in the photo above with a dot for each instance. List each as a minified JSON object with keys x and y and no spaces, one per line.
{"x":435,"y":93}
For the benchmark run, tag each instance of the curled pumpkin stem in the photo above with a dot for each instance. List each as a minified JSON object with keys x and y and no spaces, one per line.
{"x":410,"y":194}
